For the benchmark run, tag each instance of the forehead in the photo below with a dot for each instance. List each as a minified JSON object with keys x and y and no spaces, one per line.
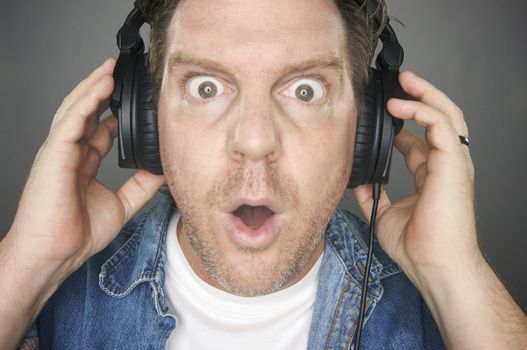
{"x":257,"y":31}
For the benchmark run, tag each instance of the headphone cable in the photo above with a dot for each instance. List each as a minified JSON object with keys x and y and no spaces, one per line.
{"x":376,"y":194}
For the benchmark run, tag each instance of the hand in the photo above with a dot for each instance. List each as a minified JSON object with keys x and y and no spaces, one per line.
{"x":433,"y":229}
{"x":65,"y":215}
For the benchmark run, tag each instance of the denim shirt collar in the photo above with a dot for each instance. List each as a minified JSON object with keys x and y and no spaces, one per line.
{"x":142,"y":257}
{"x":352,"y":251}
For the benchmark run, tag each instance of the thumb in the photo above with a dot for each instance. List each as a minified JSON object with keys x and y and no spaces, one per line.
{"x":137,"y":190}
{"x":363,"y":194}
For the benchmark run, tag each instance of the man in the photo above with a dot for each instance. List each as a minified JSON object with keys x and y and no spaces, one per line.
{"x":257,"y":170}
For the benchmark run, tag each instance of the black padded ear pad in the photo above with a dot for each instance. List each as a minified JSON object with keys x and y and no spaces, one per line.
{"x":368,"y":130}
{"x":145,"y":137}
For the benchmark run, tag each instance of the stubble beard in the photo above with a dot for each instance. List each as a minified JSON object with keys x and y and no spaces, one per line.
{"x":255,"y":277}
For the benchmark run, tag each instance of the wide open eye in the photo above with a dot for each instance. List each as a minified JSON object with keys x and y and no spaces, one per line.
{"x":306,"y":90}
{"x":204,"y":87}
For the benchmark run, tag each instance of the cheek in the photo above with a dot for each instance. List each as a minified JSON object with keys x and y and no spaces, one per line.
{"x":322,"y":157}
{"x":187,"y":152}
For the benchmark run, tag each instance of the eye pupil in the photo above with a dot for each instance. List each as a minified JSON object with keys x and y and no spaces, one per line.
{"x":207,"y":89}
{"x":304,"y":92}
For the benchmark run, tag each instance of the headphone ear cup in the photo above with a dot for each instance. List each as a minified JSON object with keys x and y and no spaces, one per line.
{"x":367,"y":133}
{"x":145,"y":133}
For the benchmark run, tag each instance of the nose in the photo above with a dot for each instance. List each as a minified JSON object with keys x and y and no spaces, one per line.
{"x":254,"y":136}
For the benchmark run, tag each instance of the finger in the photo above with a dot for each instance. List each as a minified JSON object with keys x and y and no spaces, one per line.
{"x":420,"y":177}
{"x":428,"y":94}
{"x":440,"y":132}
{"x":72,"y":126}
{"x":92,"y":124}
{"x":99,"y":146}
{"x":104,"y":69}
{"x":137,"y":190}
{"x":415,"y":152}
{"x":363,"y":194}
{"x":413,"y":148}
{"x":102,"y":139}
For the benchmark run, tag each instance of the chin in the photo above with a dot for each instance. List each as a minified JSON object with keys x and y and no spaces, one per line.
{"x":249,"y":272}
{"x":253,"y":276}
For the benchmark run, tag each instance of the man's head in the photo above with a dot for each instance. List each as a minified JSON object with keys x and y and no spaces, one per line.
{"x":256,"y":113}
{"x":363,"y":21}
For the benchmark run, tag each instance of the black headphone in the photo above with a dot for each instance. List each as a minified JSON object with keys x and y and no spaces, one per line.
{"x":131,"y":103}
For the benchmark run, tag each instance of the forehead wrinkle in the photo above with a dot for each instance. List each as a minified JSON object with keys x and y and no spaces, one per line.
{"x":332,"y":63}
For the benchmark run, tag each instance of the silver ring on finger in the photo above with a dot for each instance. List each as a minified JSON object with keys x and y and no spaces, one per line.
{"x":464,"y":140}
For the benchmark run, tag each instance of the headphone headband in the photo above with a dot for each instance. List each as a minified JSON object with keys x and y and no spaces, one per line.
{"x":392,"y":53}
{"x":128,"y":38}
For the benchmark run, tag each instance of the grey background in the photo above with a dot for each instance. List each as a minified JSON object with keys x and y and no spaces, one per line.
{"x":473,"y":50}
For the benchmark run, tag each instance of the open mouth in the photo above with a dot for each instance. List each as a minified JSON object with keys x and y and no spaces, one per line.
{"x":253,"y":226}
{"x":253,"y":216}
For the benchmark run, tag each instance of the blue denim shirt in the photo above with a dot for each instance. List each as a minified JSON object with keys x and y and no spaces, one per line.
{"x":116,"y":300}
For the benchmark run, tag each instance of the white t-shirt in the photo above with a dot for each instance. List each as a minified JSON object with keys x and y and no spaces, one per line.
{"x":209,"y":318}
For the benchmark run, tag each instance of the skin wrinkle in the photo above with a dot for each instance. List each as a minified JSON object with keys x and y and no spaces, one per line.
{"x":255,"y":143}
{"x":180,"y":58}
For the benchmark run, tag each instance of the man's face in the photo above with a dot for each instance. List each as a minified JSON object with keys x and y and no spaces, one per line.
{"x":257,"y":122}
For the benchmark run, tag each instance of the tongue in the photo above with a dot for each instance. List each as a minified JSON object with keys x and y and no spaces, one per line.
{"x":253,"y":217}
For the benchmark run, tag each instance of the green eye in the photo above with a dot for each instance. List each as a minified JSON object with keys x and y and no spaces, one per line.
{"x":307,"y":90}
{"x":205,"y":87}
{"x":304,"y":92}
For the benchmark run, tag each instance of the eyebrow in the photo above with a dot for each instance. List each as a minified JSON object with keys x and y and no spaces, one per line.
{"x":178,"y":58}
{"x":331,"y":62}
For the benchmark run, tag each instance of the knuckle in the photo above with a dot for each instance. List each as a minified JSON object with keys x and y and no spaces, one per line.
{"x":93,"y":156}
{"x":126,"y":205}
{"x":95,"y":96}
{"x":96,"y":152}
{"x":459,"y":112}
{"x":56,"y":125}
{"x":417,"y":145}
{"x":448,"y":121}
{"x":84,"y":107}
{"x":111,"y":127}
{"x":439,"y":117}
{"x":465,"y":129}
{"x":70,"y":110}
{"x":56,"y":118}
{"x":66,"y":101}
{"x":41,"y":150}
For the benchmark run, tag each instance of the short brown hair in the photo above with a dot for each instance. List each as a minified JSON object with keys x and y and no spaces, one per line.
{"x":364,"y":20}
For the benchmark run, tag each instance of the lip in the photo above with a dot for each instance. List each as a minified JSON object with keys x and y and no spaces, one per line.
{"x":246,"y":237}
{"x":254,"y":203}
